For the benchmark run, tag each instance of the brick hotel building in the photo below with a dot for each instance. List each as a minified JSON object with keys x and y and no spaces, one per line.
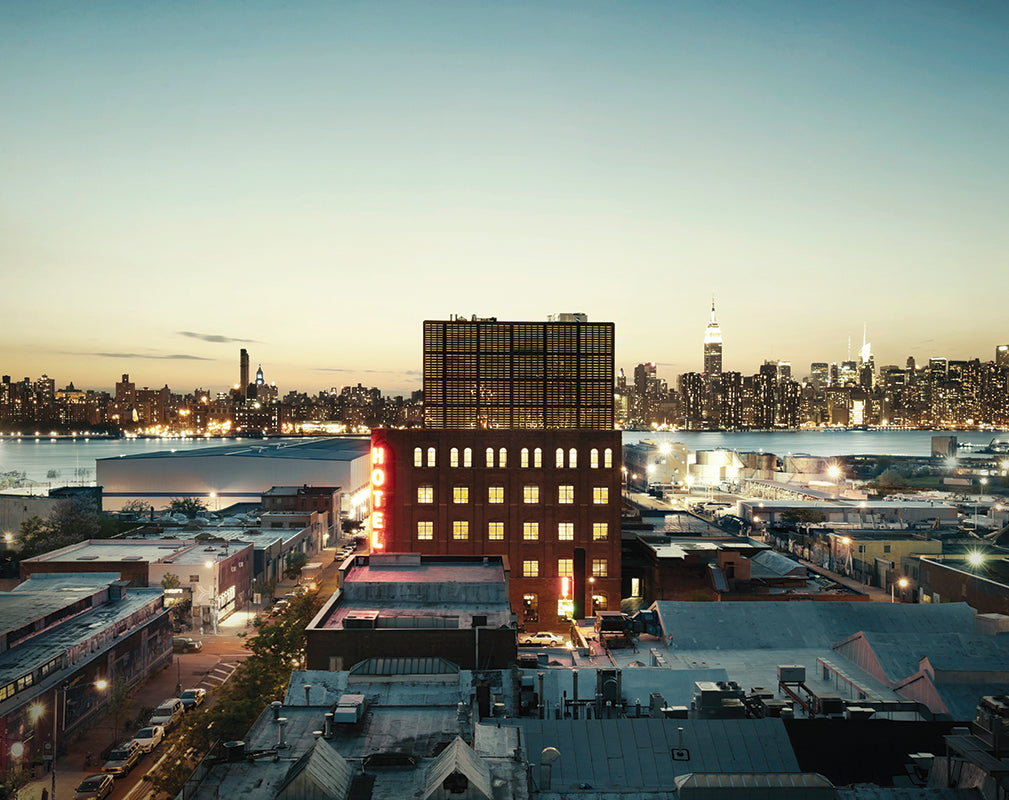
{"x":519,"y":458}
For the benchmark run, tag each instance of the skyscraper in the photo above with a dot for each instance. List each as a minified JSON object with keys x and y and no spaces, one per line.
{"x":1002,"y":356}
{"x":713,"y":348}
{"x":481,"y":373}
{"x":243,"y":371}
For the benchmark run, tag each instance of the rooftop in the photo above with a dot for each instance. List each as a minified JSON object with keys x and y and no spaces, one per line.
{"x":331,"y":449}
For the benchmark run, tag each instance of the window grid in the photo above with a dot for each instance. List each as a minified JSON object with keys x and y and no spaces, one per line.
{"x":599,"y":568}
{"x":425,"y":494}
{"x":425,"y":530}
{"x":600,"y":495}
{"x":495,"y":494}
{"x":530,"y":568}
{"x":495,"y":531}
{"x":530,"y":531}
{"x":460,"y":529}
{"x":565,"y":568}
{"x":565,"y":495}
{"x":565,"y":531}
{"x":600,"y":531}
{"x":460,"y":494}
{"x":530,"y":494}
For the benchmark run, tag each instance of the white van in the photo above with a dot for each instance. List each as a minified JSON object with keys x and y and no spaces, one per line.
{"x":168,"y":714}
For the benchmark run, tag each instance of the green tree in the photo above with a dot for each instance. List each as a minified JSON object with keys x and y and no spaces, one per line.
{"x":805,"y":515}
{"x":120,"y":704}
{"x":170,"y":581}
{"x":137,"y":507}
{"x":295,"y":561}
{"x":33,"y":537}
{"x":12,"y":781}
{"x":190,"y":506}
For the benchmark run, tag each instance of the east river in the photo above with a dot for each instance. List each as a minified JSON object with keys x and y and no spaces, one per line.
{"x":49,"y":461}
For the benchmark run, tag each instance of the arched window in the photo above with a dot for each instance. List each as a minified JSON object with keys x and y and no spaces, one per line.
{"x":430,"y":456}
{"x":537,"y":458}
{"x":502,"y":457}
{"x":607,"y":458}
{"x":559,"y":458}
{"x":594,"y":458}
{"x":453,"y":457}
{"x":467,"y":457}
{"x":524,"y":458}
{"x":490,"y":457}
{"x":418,"y":457}
{"x":572,"y":458}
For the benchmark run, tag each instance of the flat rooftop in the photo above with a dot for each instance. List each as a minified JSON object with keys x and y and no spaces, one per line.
{"x":377,"y":569}
{"x":342,"y":448}
{"x":150,"y":551}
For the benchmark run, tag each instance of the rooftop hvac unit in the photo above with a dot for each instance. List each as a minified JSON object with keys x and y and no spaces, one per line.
{"x":360,"y":619}
{"x":791,"y":673}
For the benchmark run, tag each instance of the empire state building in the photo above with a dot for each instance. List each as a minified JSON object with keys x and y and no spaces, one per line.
{"x":713,"y":348}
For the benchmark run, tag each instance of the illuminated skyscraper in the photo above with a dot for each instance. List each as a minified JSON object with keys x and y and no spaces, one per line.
{"x":1002,"y":356}
{"x":713,"y":348}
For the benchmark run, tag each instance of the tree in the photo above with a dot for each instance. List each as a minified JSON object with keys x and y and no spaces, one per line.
{"x":138,"y":508}
{"x":295,"y":561}
{"x":806,"y":515}
{"x":190,"y":506}
{"x":13,"y":781}
{"x":33,"y":538}
{"x":170,"y":581}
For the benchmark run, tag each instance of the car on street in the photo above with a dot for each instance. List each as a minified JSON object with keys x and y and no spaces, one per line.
{"x":185,"y":644}
{"x":192,"y":698}
{"x":168,"y":714}
{"x":123,"y":758}
{"x":150,"y":737}
{"x":95,"y":787}
{"x":541,"y":639}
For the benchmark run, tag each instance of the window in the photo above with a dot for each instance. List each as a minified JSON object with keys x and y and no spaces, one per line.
{"x":530,"y":569}
{"x":565,"y":495}
{"x":495,"y":531}
{"x":460,"y":529}
{"x":489,"y":457}
{"x":537,"y":458}
{"x":502,"y":457}
{"x":530,"y":494}
{"x":194,"y":578}
{"x":530,"y":609}
{"x":425,"y":494}
{"x":425,"y":530}
{"x":495,"y":494}
{"x":565,"y":568}
{"x":524,"y":458}
{"x":565,"y":531}
{"x":594,"y":458}
{"x":453,"y":457}
{"x":608,"y":458}
{"x":418,"y":457}
{"x":467,"y":457}
{"x":530,"y":531}
{"x":600,"y":531}
{"x":460,"y":494}
{"x":600,"y":495}
{"x":430,"y":456}
{"x":572,"y":458}
{"x":599,"y":568}
{"x":559,"y":458}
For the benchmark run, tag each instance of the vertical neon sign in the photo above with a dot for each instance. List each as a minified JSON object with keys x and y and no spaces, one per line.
{"x":379,"y":494}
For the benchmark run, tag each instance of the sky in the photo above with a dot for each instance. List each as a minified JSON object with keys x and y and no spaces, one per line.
{"x":312,"y":180}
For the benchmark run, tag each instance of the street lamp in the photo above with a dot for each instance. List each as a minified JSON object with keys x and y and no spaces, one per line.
{"x":834,"y":471}
{"x":983,"y":482}
{"x":902,"y":583}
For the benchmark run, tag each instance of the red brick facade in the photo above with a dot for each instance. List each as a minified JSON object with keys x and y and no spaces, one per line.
{"x":547,"y":500}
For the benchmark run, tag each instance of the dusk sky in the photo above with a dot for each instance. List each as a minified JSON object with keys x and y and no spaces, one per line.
{"x":312,"y":180}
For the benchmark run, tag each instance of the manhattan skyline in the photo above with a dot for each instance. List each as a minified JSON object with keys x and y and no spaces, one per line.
{"x":312,"y":181}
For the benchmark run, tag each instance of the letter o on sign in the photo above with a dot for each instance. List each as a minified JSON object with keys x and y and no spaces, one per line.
{"x":377,"y":477}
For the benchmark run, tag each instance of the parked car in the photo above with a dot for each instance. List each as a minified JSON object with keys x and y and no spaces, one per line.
{"x":184,"y":644}
{"x":168,"y":714}
{"x":191,"y":698}
{"x":150,"y":737}
{"x":123,"y":758}
{"x":541,"y":639}
{"x":95,"y":787}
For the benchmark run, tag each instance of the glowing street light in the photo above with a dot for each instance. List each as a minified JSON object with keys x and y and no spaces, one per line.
{"x":902,"y":583}
{"x":975,"y":558}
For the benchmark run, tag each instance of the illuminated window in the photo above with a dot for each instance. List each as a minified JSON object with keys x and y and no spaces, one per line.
{"x":607,"y":458}
{"x":425,"y":530}
{"x":495,"y":494}
{"x":565,"y":531}
{"x":530,"y":531}
{"x":565,"y":568}
{"x":559,"y":458}
{"x":572,"y":458}
{"x":467,"y":457}
{"x":599,"y":602}
{"x":425,"y":494}
{"x":489,"y":457}
{"x":600,"y":495}
{"x":460,"y":529}
{"x":418,"y":457}
{"x":537,"y":458}
{"x":565,"y":495}
{"x":460,"y":494}
{"x":495,"y":530}
{"x":453,"y":457}
{"x":530,"y":569}
{"x":594,"y":458}
{"x":530,"y":494}
{"x":502,"y":457}
{"x":600,"y":531}
{"x":430,"y":456}
{"x":524,"y":458}
{"x":599,"y":568}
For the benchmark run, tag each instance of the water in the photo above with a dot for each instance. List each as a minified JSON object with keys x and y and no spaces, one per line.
{"x":73,"y":460}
